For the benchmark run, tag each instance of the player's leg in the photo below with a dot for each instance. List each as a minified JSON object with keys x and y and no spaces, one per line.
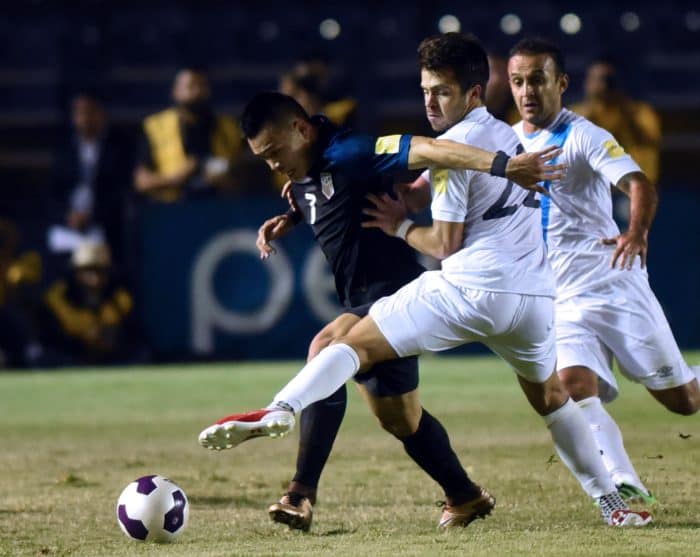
{"x":683,"y":400}
{"x":390,"y":389}
{"x":317,"y":380}
{"x":401,"y":325}
{"x":318,"y":428}
{"x":585,"y":368}
{"x":582,"y":384}
{"x":409,"y":317}
{"x":529,"y":346}
{"x":643,"y":344}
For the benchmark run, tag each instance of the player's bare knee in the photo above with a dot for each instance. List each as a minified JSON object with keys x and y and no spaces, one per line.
{"x":400,"y":426}
{"x":319,"y":342}
{"x":579,"y":385}
{"x":544,"y":397}
{"x":576,"y":391}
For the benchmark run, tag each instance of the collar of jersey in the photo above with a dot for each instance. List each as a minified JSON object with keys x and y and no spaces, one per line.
{"x":475,"y":113}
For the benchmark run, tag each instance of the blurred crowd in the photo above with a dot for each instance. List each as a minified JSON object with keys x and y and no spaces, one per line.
{"x":77,"y":306}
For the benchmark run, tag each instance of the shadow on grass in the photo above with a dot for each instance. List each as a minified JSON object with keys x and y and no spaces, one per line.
{"x":23,"y":511}
{"x":223,"y":501}
{"x":337,"y":532}
{"x":73,"y":480}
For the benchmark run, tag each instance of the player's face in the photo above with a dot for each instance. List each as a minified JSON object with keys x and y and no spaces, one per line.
{"x":537,"y":88}
{"x":286,"y":148}
{"x":445,"y":102}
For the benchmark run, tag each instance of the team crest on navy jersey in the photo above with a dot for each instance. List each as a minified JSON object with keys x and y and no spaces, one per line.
{"x":327,"y":185}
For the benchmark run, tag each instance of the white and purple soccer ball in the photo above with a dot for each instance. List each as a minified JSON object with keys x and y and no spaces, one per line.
{"x":154,"y":509}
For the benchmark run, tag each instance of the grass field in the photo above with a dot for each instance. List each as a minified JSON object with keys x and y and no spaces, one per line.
{"x":72,"y":440}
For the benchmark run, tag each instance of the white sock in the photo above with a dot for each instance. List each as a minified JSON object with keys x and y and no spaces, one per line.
{"x":578,"y":450}
{"x":696,"y":371}
{"x":609,"y":439}
{"x":319,"y":378}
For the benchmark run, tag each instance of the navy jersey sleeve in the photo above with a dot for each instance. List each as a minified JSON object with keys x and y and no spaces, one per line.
{"x":372,"y":155}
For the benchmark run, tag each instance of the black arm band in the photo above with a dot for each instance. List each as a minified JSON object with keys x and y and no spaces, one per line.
{"x":295,"y":217}
{"x":498,"y":166}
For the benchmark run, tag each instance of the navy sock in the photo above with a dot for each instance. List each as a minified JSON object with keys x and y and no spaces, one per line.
{"x":430,"y":448}
{"x":319,"y":425}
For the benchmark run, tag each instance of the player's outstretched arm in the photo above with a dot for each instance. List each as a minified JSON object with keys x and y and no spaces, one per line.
{"x":526,"y":169}
{"x":643,"y":202}
{"x":272,"y":229}
{"x":439,"y":240}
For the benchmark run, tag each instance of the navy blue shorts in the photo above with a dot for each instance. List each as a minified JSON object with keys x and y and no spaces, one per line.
{"x":389,"y":378}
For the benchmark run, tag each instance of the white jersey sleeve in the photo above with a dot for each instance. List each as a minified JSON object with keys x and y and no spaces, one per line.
{"x":604,"y":154}
{"x":450,"y":194}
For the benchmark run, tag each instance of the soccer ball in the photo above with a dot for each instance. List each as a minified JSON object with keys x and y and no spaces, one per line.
{"x":153,"y":508}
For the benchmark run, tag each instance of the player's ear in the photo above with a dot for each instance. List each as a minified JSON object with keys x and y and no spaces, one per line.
{"x":304,"y":128}
{"x":475,"y":94}
{"x":563,"y":83}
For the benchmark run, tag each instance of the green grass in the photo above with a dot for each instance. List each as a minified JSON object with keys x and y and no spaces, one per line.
{"x":72,"y":440}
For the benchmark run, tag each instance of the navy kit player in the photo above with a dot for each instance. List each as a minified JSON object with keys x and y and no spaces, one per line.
{"x":495,"y":287}
{"x":332,"y":170}
{"x":605,"y":308}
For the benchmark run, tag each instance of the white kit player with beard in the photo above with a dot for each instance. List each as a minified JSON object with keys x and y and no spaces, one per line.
{"x":603,"y":311}
{"x":495,"y":287}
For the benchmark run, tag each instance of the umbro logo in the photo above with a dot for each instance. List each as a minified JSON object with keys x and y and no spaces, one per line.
{"x":664,"y":371}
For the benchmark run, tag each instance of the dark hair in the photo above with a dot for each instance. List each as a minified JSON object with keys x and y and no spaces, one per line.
{"x":269,"y":108}
{"x":463,"y":54}
{"x":535,"y":46}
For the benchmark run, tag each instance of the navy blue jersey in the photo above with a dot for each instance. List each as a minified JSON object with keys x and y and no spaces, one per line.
{"x":367,"y":264}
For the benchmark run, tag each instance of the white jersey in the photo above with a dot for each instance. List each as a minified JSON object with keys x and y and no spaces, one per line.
{"x":502,"y":250}
{"x":578,"y":213}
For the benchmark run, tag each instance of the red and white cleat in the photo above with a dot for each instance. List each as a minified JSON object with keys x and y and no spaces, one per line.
{"x":234,"y":429}
{"x":623,"y":518}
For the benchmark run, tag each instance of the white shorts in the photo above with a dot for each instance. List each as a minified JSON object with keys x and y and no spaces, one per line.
{"x":622,"y":319}
{"x":432,"y":314}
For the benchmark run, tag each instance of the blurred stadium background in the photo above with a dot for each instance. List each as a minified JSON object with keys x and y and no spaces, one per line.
{"x":198,"y":288}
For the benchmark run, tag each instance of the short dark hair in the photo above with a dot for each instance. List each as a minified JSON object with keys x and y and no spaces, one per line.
{"x":538,"y":45}
{"x":269,"y":108}
{"x":463,"y":54}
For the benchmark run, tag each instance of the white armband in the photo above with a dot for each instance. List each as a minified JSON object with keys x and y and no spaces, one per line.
{"x":402,"y":230}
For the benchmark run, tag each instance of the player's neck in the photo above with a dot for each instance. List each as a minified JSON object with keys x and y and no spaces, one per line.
{"x":531,"y":127}
{"x":315,"y":149}
{"x":472,"y":106}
